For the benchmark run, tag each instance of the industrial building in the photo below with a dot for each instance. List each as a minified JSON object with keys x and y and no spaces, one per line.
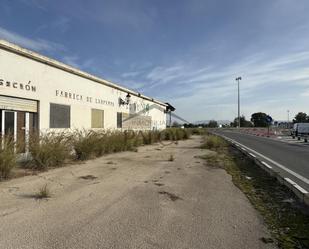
{"x":39,"y":93}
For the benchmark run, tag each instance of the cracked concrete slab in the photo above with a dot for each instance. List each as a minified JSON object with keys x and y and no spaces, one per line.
{"x":123,"y":208}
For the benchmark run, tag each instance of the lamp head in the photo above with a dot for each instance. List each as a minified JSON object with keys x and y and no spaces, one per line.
{"x":128,"y":97}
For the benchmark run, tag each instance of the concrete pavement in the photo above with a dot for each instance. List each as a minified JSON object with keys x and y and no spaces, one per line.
{"x":131,"y":200}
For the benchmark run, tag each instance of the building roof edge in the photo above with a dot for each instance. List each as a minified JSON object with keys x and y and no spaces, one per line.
{"x":57,"y":64}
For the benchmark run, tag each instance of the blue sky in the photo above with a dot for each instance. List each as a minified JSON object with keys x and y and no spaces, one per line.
{"x":186,"y":52}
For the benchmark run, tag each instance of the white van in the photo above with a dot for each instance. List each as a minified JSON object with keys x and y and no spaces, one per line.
{"x":300,"y":130}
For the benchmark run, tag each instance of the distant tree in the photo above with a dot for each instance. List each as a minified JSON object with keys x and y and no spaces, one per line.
{"x":190,"y":125}
{"x":175,"y":124}
{"x":243,"y":122}
{"x":259,"y":119}
{"x":301,"y":117}
{"x":212,"y":124}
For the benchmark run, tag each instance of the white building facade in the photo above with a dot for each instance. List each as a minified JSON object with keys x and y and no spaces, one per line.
{"x":38,"y":93}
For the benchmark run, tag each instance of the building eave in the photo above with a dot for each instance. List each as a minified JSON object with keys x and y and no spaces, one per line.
{"x":54,"y":63}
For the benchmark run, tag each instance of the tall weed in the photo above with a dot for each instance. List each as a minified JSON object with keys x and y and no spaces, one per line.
{"x":85,"y":144}
{"x":7,"y":157}
{"x":213,"y":142}
{"x":49,"y":150}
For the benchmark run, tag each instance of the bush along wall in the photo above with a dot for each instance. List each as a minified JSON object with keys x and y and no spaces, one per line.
{"x":50,"y":150}
{"x":7,"y":157}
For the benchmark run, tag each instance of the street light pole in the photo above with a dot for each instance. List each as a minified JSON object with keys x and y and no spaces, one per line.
{"x":238,"y":79}
{"x":288,"y":119}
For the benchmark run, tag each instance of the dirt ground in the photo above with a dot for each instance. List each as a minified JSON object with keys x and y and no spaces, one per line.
{"x":131,"y":200}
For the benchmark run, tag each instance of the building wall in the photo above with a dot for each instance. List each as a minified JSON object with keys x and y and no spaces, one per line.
{"x":31,"y":79}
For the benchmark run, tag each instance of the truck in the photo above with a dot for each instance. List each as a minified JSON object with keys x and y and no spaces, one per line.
{"x":300,"y":130}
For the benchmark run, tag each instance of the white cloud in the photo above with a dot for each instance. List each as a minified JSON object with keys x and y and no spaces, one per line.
{"x":123,"y":14}
{"x":61,"y":24}
{"x":206,"y":90}
{"x":131,"y":74}
{"x":71,"y":60}
{"x":305,"y":93}
{"x":34,"y":44}
{"x":40,"y":4}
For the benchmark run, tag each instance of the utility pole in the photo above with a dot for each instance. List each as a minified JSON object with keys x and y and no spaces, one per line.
{"x":288,"y":111}
{"x":238,"y":79}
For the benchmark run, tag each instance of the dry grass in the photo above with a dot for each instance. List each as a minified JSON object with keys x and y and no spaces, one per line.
{"x":288,"y":221}
{"x":171,"y":158}
{"x":49,"y":150}
{"x":212,"y":142}
{"x":56,"y":149}
{"x":7,"y":158}
{"x":43,"y":192}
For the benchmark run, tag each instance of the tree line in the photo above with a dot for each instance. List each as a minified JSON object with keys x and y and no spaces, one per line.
{"x":258,"y":119}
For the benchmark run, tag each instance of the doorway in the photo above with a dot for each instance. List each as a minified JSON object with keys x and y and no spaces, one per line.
{"x":16,"y":126}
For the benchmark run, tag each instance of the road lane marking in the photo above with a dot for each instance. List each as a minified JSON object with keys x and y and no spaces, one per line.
{"x":299,"y":188}
{"x":302,"y":190}
{"x":252,"y":154}
{"x":298,"y":176}
{"x":268,"y":166}
{"x":289,"y":181}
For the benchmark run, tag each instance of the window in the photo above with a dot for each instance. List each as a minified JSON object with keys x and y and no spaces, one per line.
{"x":133,"y":107}
{"x":60,"y":116}
{"x":119,"y":120}
{"x":33,"y":123}
{"x":97,"y":118}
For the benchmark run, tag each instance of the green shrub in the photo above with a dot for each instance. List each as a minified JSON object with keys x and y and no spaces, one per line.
{"x":118,"y":142}
{"x":99,"y":144}
{"x":176,"y":134}
{"x":213,"y":142}
{"x":131,"y":140}
{"x":49,"y":150}
{"x":198,"y":131}
{"x":147,"y":137}
{"x":171,"y":134}
{"x":166,"y":135}
{"x":7,"y":158}
{"x":86,"y":144}
{"x":138,"y":139}
{"x":187,"y":134}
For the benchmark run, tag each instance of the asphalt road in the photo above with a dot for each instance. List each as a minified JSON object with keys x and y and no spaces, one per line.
{"x":132,"y":200}
{"x":294,"y":157}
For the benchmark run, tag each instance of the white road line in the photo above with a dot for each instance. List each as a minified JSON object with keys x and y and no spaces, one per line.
{"x":302,"y":190}
{"x":268,"y":166}
{"x":244,"y":149}
{"x":298,"y":176}
{"x":252,"y":154}
{"x":289,"y":181}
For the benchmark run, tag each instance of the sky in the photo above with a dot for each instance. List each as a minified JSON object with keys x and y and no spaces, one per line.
{"x":185,"y":52}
